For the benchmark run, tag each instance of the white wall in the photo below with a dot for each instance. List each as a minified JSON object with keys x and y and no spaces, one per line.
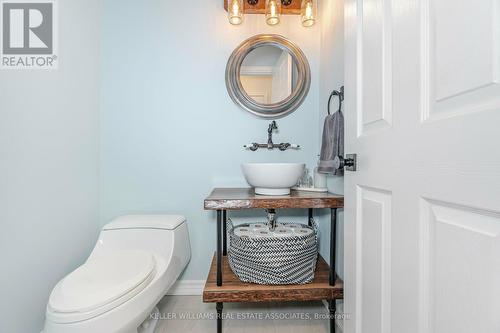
{"x":331,"y":71}
{"x":170,"y":132}
{"x":49,"y":134}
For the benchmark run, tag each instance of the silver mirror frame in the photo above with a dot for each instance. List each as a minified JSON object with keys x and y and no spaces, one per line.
{"x":275,"y":110}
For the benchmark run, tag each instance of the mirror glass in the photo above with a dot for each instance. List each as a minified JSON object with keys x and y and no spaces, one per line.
{"x":268,"y":74}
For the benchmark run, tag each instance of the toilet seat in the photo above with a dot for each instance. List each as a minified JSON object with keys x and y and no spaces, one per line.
{"x":101,"y":284}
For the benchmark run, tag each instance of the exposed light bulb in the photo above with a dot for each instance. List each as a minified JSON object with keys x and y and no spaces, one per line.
{"x":309,"y":11}
{"x":273,"y":11}
{"x":235,"y":11}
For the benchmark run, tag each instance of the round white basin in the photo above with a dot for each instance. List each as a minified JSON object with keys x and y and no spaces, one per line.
{"x":273,"y":178}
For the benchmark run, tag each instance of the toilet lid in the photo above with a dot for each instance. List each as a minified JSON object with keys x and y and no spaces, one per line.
{"x":102,"y":280}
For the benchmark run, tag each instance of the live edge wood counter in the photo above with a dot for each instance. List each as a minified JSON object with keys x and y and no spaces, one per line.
{"x":223,"y":285}
{"x":245,"y":198}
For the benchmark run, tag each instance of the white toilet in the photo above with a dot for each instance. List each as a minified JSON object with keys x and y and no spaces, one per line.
{"x":134,"y":263}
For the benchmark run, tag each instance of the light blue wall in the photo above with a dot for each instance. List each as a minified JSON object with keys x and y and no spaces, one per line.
{"x":49,"y":131}
{"x":170,"y":133}
{"x":331,"y":77}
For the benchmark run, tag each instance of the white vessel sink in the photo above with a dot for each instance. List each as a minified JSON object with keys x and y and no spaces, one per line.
{"x":273,"y":178}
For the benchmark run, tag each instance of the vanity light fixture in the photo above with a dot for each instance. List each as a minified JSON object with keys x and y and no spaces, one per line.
{"x":308,"y":12}
{"x":235,"y":11}
{"x":272,"y":9}
{"x":273,"y":12}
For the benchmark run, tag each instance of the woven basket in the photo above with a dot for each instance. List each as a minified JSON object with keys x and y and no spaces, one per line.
{"x":273,"y":260}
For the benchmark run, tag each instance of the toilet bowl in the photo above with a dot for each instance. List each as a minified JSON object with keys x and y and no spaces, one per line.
{"x":134,"y":263}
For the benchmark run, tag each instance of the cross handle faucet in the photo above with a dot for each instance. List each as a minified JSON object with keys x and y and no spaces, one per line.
{"x":270,"y":144}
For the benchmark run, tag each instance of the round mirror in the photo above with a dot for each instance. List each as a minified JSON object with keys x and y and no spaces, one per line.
{"x":268,"y":76}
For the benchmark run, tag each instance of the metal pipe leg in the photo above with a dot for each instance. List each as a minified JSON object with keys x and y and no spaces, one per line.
{"x":333,"y":245}
{"x":219,"y":307}
{"x":224,"y":233}
{"x":332,"y":307}
{"x":219,"y":248}
{"x":310,"y":219}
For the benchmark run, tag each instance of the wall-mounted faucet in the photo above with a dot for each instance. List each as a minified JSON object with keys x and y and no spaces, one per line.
{"x":270,"y":145}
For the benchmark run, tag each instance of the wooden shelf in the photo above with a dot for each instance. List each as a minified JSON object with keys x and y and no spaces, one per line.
{"x":245,"y":198}
{"x":233,"y":290}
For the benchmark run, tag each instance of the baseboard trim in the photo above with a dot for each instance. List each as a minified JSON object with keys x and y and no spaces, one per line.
{"x":187,"y":288}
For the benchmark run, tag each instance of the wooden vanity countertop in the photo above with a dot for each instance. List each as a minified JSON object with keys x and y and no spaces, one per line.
{"x":245,"y":198}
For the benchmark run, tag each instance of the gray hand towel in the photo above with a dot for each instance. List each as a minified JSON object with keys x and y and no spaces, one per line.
{"x":333,"y":143}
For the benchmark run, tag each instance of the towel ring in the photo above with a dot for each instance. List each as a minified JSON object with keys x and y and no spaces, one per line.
{"x":340,"y":94}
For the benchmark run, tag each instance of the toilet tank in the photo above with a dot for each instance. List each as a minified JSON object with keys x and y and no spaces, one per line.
{"x":166,"y":236}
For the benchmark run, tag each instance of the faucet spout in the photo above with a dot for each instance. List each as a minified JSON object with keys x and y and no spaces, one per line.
{"x":272,"y":126}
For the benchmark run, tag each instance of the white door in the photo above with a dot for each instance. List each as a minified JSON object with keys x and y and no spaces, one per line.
{"x":422,"y":214}
{"x":282,"y":78}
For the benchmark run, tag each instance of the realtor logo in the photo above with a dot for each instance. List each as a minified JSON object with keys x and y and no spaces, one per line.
{"x":28,"y":34}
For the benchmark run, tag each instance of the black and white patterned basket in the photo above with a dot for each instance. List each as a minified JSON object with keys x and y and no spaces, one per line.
{"x":273,"y":260}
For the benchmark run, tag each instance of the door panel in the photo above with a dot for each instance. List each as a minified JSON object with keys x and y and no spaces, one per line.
{"x":375,"y":82}
{"x":461,"y":51}
{"x":460,"y":268}
{"x":464,"y":47}
{"x":374,"y":263}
